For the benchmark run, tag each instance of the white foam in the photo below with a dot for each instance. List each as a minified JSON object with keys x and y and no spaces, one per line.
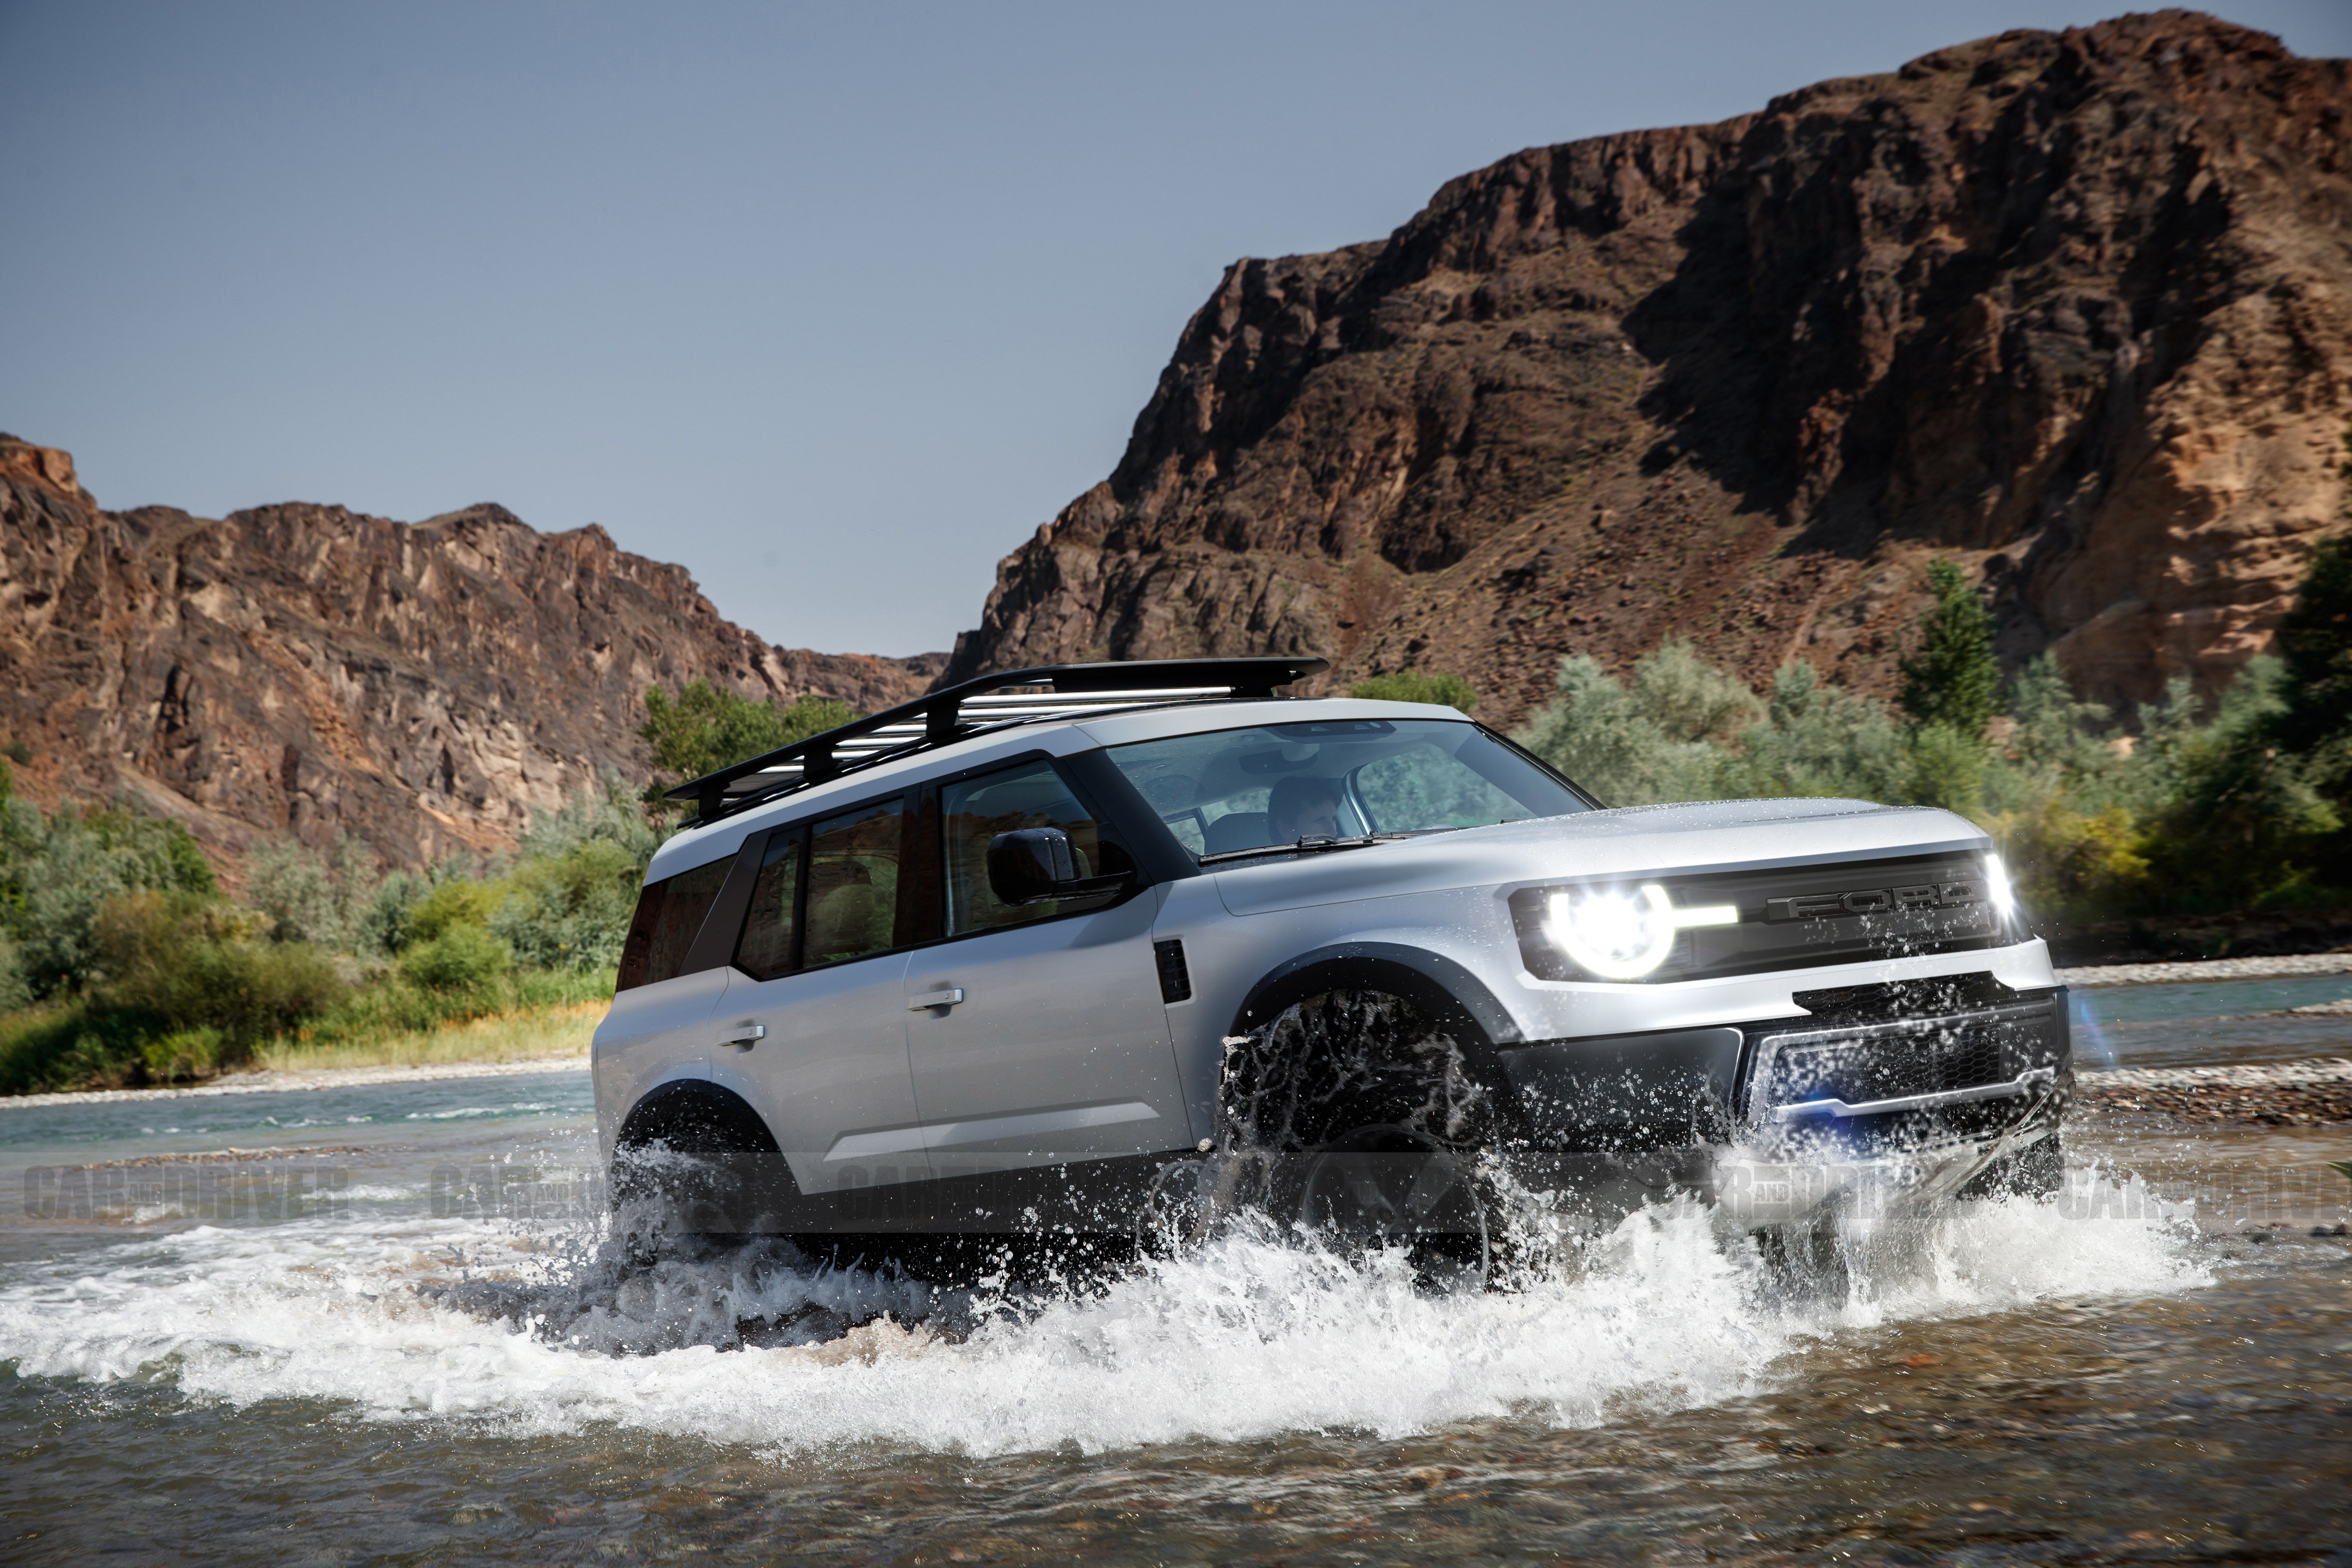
{"x":1247,"y":1339}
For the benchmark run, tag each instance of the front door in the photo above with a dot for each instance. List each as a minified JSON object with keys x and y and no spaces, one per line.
{"x":1036,"y":1033}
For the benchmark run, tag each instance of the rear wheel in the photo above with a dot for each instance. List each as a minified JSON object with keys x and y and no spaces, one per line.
{"x":692,"y":1160}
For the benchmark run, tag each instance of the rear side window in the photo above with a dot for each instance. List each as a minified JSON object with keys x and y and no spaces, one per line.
{"x":767,"y":949}
{"x":669,"y":914}
{"x":854,"y":883}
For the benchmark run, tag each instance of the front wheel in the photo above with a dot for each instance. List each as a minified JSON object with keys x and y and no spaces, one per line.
{"x":1380,"y":1187}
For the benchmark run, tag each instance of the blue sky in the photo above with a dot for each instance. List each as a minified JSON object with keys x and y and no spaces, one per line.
{"x":832,"y":304}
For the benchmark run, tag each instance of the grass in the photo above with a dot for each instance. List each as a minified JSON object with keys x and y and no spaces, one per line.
{"x":520,"y":1016}
{"x":530,"y":1033}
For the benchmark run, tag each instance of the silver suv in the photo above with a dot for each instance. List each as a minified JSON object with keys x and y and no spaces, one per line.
{"x":1076,"y":948}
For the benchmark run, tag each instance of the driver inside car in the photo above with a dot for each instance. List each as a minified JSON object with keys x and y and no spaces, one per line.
{"x":1301,"y":807}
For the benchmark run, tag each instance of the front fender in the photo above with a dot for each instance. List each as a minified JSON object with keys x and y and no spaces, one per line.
{"x":1443,"y":990}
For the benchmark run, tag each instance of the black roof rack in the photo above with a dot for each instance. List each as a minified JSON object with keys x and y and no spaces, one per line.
{"x":942,"y":717}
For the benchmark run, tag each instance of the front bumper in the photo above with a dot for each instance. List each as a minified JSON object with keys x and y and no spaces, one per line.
{"x":1873,"y":1071}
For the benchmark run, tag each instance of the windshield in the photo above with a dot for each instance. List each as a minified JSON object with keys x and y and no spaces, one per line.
{"x":1276,"y":784}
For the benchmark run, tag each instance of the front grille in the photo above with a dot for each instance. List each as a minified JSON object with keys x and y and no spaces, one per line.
{"x":1872,"y":1043}
{"x":1802,"y":917}
{"x":1874,"y":1066}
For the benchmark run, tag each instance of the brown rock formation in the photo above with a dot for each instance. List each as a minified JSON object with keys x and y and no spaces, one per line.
{"x":422,"y":687}
{"x":2073,"y":306}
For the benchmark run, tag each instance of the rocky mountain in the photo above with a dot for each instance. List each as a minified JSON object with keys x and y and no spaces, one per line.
{"x":422,"y":687}
{"x":2073,"y":308}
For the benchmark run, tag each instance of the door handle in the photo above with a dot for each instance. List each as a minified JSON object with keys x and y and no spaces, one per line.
{"x":747,"y":1036}
{"x":922,"y":1001}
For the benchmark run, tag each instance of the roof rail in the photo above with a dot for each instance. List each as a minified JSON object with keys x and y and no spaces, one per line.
{"x":942,"y":717}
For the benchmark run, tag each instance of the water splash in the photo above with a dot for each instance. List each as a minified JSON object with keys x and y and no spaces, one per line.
{"x":1250,"y":1335}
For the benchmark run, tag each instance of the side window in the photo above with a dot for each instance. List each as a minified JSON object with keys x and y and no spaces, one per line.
{"x":1028,"y":794}
{"x":765,"y":949}
{"x":853,"y":882}
{"x":669,"y":913}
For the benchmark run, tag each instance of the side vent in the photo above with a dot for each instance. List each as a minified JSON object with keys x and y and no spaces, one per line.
{"x":1175,"y":980}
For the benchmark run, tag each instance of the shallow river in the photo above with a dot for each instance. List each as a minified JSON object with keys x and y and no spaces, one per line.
{"x":401,"y":1338}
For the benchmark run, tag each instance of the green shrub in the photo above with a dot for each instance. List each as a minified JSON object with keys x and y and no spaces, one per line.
{"x":56,"y":872}
{"x":570,"y":910}
{"x":451,"y":905}
{"x":1946,"y":767}
{"x":15,"y":992}
{"x":707,"y":727}
{"x":185,"y":1054}
{"x":184,"y":964}
{"x":393,"y":1005}
{"x":1413,"y":686}
{"x":1817,"y":740}
{"x":1653,"y":739}
{"x":462,"y":957}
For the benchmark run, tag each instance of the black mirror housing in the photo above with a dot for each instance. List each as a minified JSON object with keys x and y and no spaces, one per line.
{"x":1028,"y":865}
{"x":1032,"y":864}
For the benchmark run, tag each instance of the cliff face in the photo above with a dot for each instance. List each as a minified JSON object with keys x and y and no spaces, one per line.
{"x":2075,"y":308}
{"x":424,"y":688}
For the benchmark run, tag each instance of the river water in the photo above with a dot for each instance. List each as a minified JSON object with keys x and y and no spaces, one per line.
{"x":380,"y":1325}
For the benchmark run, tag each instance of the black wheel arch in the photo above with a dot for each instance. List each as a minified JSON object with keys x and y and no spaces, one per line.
{"x":1441,"y":989}
{"x":695,"y":1116}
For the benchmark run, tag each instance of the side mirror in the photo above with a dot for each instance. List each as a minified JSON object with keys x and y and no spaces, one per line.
{"x":1031,"y":864}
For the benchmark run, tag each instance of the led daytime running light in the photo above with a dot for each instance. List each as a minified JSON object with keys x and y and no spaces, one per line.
{"x":1619,"y":935}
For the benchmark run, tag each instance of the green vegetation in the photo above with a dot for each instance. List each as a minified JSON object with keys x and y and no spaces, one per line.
{"x":2245,"y":802}
{"x":123,"y":963}
{"x":1412,"y":686}
{"x":705,"y":727}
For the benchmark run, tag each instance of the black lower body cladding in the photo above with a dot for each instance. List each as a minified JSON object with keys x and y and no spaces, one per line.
{"x":1870,"y":1068}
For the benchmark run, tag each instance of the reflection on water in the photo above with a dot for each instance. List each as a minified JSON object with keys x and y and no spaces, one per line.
{"x":2136,"y":1376}
{"x":2219,"y":1021}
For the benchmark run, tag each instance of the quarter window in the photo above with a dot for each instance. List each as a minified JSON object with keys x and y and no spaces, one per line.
{"x":1028,"y":794}
{"x":669,"y":915}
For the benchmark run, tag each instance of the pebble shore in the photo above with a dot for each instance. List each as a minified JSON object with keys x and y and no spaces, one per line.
{"x":2281,"y":1094}
{"x":2215,"y":969}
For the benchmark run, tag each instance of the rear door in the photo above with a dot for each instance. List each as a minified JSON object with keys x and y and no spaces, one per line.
{"x":820,"y":970}
{"x":1036,"y":1033}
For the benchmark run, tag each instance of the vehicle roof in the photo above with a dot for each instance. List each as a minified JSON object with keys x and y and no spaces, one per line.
{"x":698,"y":846}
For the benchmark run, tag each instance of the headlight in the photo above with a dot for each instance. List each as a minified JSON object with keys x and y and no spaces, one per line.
{"x":1998,"y":892}
{"x":1619,"y":933}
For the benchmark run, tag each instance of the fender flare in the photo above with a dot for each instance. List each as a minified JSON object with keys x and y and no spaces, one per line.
{"x":1453,"y":997}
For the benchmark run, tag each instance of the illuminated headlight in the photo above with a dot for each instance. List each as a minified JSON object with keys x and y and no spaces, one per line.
{"x":1998,"y":892}
{"x":1619,"y":933}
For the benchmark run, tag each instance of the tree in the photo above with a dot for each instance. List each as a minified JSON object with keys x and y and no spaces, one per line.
{"x":707,"y":727}
{"x":1412,"y":686}
{"x":2315,"y":640}
{"x":1952,"y":679}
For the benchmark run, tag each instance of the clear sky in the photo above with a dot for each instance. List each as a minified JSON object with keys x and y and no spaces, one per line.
{"x":833,"y":304}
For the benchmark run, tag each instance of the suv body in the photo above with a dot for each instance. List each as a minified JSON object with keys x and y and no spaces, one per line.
{"x":833,"y":980}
